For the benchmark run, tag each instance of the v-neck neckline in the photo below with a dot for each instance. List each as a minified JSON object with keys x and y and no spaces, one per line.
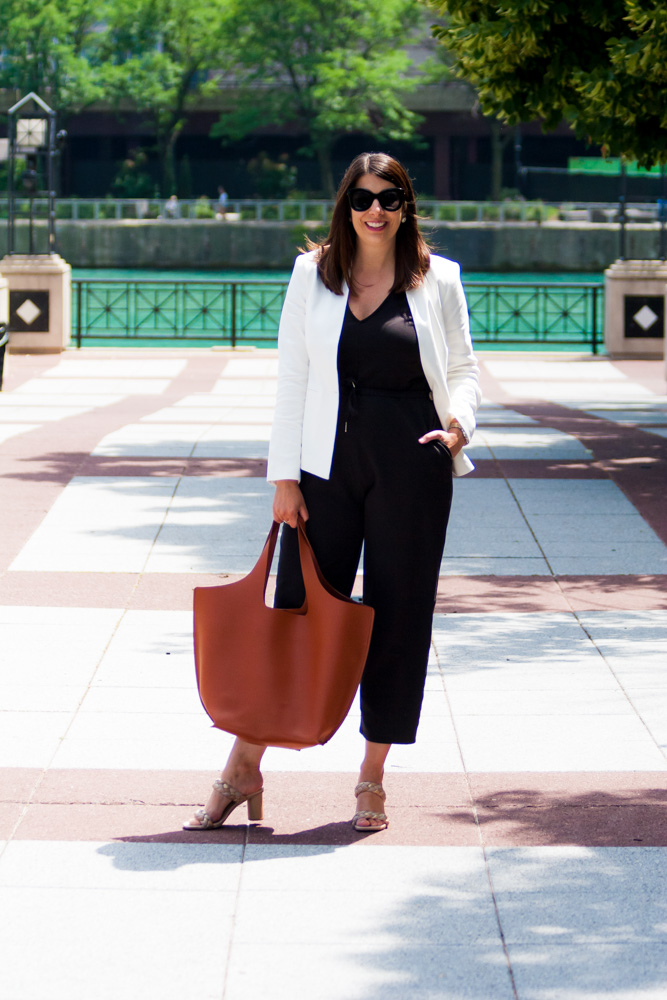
{"x":370,"y":315}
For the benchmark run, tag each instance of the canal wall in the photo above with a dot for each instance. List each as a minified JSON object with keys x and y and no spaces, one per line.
{"x":209,"y":244}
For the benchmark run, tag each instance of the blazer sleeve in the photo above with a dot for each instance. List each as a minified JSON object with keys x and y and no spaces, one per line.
{"x":285,"y":443}
{"x":462,"y":367}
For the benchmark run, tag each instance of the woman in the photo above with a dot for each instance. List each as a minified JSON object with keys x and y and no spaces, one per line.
{"x":377,"y":393}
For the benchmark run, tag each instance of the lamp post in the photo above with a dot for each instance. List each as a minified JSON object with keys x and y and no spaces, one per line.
{"x":37,"y":284}
{"x":32,"y":133}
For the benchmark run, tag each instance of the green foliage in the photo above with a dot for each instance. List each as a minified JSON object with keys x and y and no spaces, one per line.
{"x":328,"y":66}
{"x":271,"y":178}
{"x":599,"y":64}
{"x":160,"y":57}
{"x":132,"y":179}
{"x":203,"y":208}
{"x":19,"y":167}
{"x":51,"y":47}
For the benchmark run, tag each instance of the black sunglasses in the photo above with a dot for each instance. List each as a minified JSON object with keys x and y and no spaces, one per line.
{"x":361,"y":199}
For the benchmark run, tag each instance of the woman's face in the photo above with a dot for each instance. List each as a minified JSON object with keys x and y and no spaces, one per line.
{"x":375,"y":227}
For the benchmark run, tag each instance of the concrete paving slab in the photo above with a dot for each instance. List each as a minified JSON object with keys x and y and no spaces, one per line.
{"x":480,"y":550}
{"x":85,"y":368}
{"x":497,"y":566}
{"x":228,"y":396}
{"x":570,"y":497}
{"x":39,"y":698}
{"x":229,"y":440}
{"x":74,"y":387}
{"x":24,"y":414}
{"x":574,"y":730}
{"x":536,"y":704}
{"x":241,"y":368}
{"x":213,"y":526}
{"x":634,"y":563}
{"x":49,"y":656}
{"x":121,"y":866}
{"x":151,"y":441}
{"x":537,"y":756}
{"x":456,"y":872}
{"x":79,"y":935}
{"x":258,"y":385}
{"x":552,"y":369}
{"x":455,"y":915}
{"x":583,"y":395}
{"x":143,"y":753}
{"x":188,"y":415}
{"x":412,"y":968}
{"x":49,"y":401}
{"x":106,"y":524}
{"x":638,"y":416}
{"x":82,"y":618}
{"x":10,"y":814}
{"x":595,"y":972}
{"x":234,"y":413}
{"x":594,"y":529}
{"x":492,"y":415}
{"x":586,"y":895}
{"x":12,"y":430}
{"x":533,"y":443}
{"x":160,"y":701}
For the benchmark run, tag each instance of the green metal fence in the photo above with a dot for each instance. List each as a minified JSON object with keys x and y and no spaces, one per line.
{"x":537,"y":314}
{"x":204,"y":313}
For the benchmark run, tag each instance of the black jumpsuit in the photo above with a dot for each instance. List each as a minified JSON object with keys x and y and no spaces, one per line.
{"x":390,"y":493}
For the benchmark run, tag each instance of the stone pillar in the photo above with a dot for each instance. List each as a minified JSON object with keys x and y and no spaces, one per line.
{"x":634,"y":311}
{"x":4,"y":316}
{"x":40,"y":295}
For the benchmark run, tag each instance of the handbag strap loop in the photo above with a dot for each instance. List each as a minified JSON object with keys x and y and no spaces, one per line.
{"x":312,"y":575}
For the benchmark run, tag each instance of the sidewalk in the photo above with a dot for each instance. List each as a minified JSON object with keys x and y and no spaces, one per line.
{"x":526,"y":854}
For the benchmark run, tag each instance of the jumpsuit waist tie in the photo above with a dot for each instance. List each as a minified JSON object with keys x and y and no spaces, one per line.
{"x":352,"y":391}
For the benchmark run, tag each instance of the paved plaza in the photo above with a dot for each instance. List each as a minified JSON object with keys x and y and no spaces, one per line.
{"x":526,"y":857}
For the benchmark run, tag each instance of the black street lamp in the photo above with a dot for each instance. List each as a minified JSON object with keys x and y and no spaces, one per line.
{"x":32,"y":135}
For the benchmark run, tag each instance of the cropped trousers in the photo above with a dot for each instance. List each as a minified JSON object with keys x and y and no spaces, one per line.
{"x":391,"y":496}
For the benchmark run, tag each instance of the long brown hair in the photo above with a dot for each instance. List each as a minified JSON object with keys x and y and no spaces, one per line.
{"x":336,"y":253}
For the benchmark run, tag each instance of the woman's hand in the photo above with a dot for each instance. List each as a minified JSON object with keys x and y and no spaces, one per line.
{"x":288,"y":502}
{"x":454,"y":439}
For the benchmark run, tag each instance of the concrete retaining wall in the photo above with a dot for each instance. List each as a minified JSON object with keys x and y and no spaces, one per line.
{"x":207,"y":244}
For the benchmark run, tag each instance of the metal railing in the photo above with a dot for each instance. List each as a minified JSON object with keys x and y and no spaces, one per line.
{"x":203,"y":312}
{"x":555,"y":314}
{"x":164,"y":312}
{"x":319,"y":210}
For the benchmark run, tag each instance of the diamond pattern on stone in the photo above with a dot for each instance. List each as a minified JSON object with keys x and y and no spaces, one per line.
{"x":28,"y":312}
{"x":645,"y":317}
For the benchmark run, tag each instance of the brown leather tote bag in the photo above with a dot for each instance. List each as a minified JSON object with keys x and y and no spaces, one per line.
{"x":276,"y":677}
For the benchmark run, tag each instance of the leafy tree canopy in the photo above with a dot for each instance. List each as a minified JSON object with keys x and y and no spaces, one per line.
{"x":329,"y":66}
{"x":51,"y":47}
{"x":599,"y":64}
{"x":158,"y":59}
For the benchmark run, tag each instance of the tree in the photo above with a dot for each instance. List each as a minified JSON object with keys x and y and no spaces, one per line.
{"x":601,"y":65}
{"x":328,"y":66}
{"x":161,"y":56}
{"x":51,"y":47}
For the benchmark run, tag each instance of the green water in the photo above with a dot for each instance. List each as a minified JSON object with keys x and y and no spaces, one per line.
{"x":102,"y":274}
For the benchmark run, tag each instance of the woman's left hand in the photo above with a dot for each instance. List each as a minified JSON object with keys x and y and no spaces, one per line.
{"x":454,"y":439}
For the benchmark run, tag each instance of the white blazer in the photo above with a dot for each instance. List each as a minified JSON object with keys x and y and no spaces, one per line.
{"x":306,"y":414}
